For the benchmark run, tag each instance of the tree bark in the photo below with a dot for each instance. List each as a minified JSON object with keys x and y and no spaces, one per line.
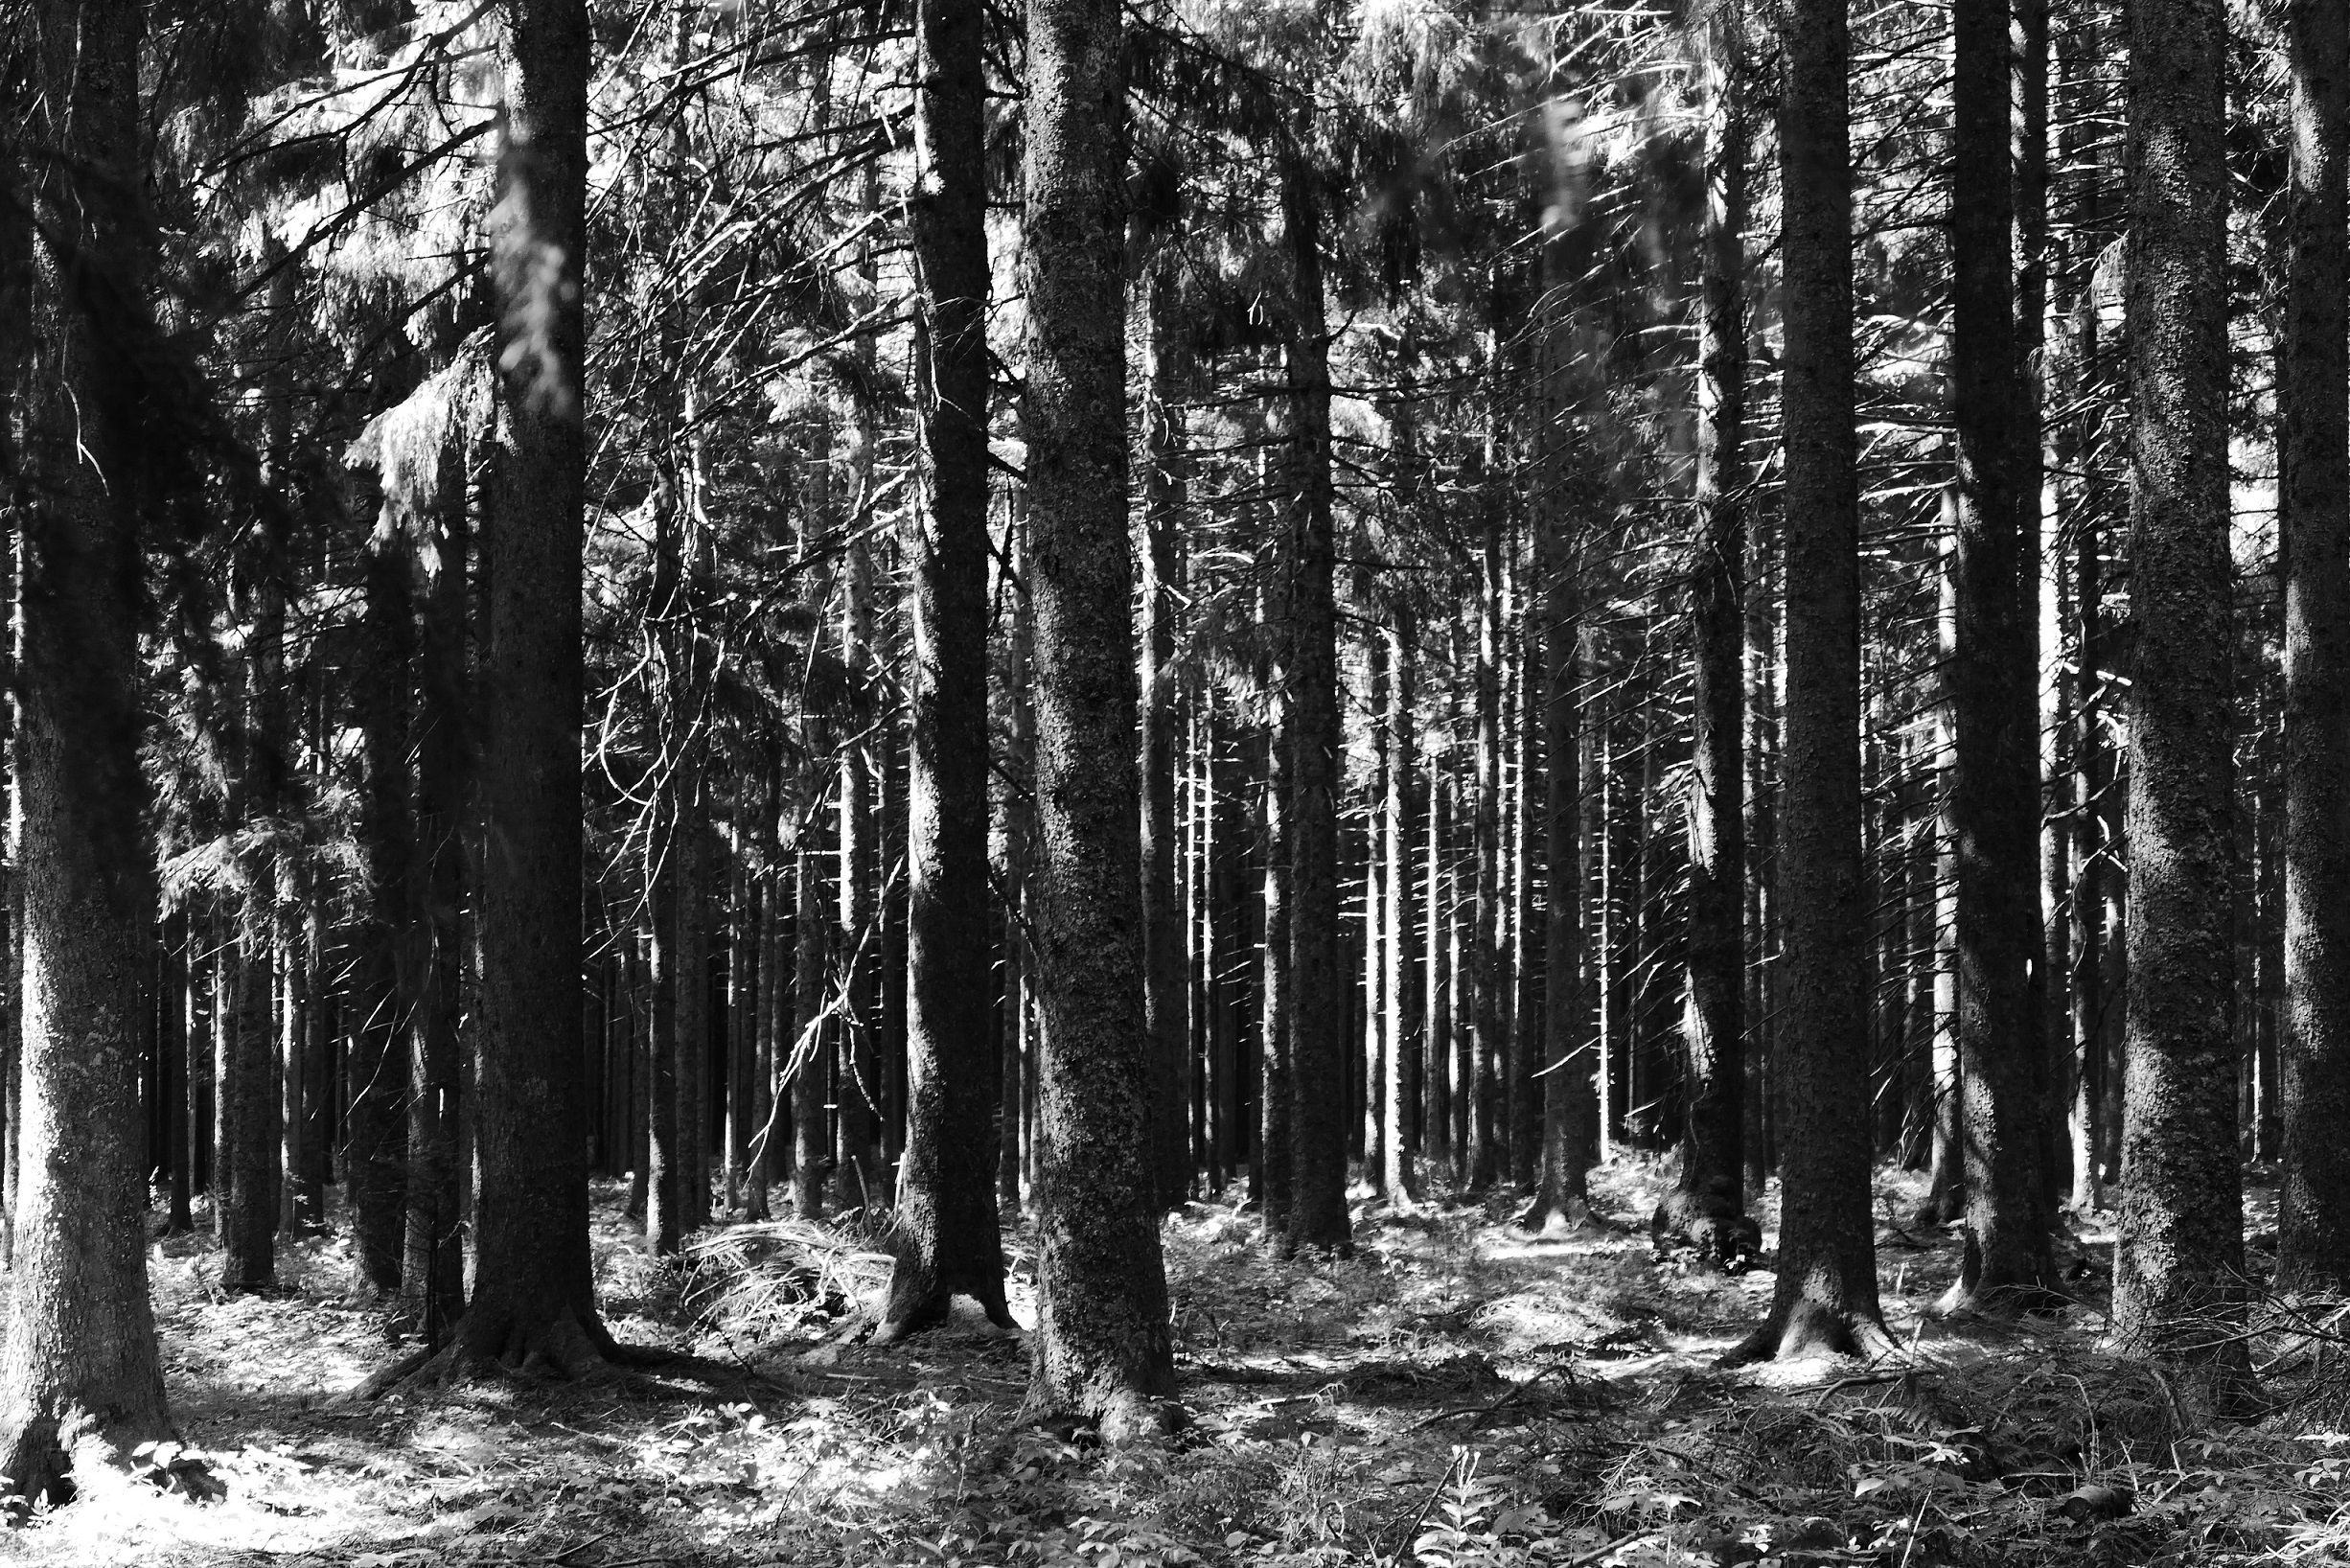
{"x":2178,"y":1262}
{"x":1104,"y":1349}
{"x":1164,"y":955}
{"x":2009,"y":1258}
{"x":534,"y":1289}
{"x":1318,"y":1011}
{"x":947,"y":1214}
{"x":375,"y":1151}
{"x":1826,"y":1297}
{"x":1713,"y":1157}
{"x":1399,"y":1145}
{"x":80,"y":1379}
{"x":432,"y":1267}
{"x":2313,"y":1230}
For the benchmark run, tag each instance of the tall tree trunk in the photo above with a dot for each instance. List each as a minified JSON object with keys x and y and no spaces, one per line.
{"x":1712,"y":1156}
{"x":1103,"y":1343}
{"x":2312,"y":1228}
{"x":663,"y":1232}
{"x":1162,"y":925}
{"x":1318,"y":1030}
{"x":1479,"y":1074}
{"x":1995,"y":798}
{"x":947,"y":1213}
{"x":1275,"y":1010}
{"x":534,"y":1287}
{"x":79,"y":1375}
{"x":432,"y":1266}
{"x":1827,"y":1291}
{"x":2178,"y":1262}
{"x":375,"y":1151}
{"x":1566,"y":378}
{"x":1399,"y":1143}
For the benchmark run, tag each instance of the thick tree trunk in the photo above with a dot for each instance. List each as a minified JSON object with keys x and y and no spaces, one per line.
{"x":1318,"y":1013}
{"x":2313,"y":1230}
{"x":81,"y":1380}
{"x":947,"y":1215}
{"x":1994,"y":797}
{"x":1826,"y":1291}
{"x":1103,"y":1348}
{"x":2178,"y":1263}
{"x":534,"y":1289}
{"x":1276,"y":1009}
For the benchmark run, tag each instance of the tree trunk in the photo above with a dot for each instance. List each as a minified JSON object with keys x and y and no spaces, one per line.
{"x":1318,"y":1032}
{"x":2313,"y":1230}
{"x":1163,"y":928}
{"x":1479,"y":1075}
{"x":534,"y":1289}
{"x":375,"y":1152}
{"x":1105,"y":1348}
{"x":1712,"y":1156}
{"x":2178,"y":1262}
{"x":947,"y":1214}
{"x":1994,"y":797}
{"x":432,"y":1267}
{"x":1399,"y":1142}
{"x":80,"y":1379}
{"x":1826,"y":1297}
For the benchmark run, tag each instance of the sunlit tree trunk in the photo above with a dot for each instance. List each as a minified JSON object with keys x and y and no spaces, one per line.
{"x":79,"y":1376}
{"x":1712,"y":1164}
{"x":2313,"y":1232}
{"x":947,"y":1213}
{"x":1103,"y":1345}
{"x":2178,"y":1260}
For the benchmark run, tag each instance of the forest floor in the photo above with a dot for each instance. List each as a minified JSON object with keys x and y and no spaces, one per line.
{"x":1459,"y":1392}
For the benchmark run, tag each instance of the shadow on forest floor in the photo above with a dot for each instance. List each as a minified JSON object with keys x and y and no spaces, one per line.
{"x":1458,"y":1393}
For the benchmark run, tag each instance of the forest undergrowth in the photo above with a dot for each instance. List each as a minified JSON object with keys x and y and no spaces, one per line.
{"x":1457,"y":1394}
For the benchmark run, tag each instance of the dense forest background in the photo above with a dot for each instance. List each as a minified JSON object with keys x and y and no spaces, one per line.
{"x":983,"y":623}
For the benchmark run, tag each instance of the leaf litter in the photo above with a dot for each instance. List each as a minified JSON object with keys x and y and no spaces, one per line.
{"x":1457,"y":1395}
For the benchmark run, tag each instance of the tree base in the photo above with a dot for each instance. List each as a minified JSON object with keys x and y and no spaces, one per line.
{"x":918,"y":1301}
{"x":1997,"y":1302}
{"x":51,"y":1458}
{"x":1711,"y":1222}
{"x":563,"y":1349}
{"x":1809,"y":1331}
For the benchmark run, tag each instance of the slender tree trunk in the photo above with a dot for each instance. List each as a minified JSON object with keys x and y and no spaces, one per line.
{"x":375,"y":1152}
{"x":947,"y":1213}
{"x":2313,"y":1232}
{"x":1163,"y":927}
{"x":79,"y":1373}
{"x":1103,"y":1343}
{"x":2178,"y":1262}
{"x":1479,"y":1075}
{"x":1994,"y":795}
{"x":1827,"y":1291}
{"x":1399,"y":1143}
{"x":432,"y":1267}
{"x":534,"y":1289}
{"x":1712,"y":1156}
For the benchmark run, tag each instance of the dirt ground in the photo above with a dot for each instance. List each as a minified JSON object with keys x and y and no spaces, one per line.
{"x":1458,"y":1394}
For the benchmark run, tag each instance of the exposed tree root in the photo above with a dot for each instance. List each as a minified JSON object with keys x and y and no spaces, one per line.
{"x":1809,"y":1329}
{"x":563,"y":1348}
